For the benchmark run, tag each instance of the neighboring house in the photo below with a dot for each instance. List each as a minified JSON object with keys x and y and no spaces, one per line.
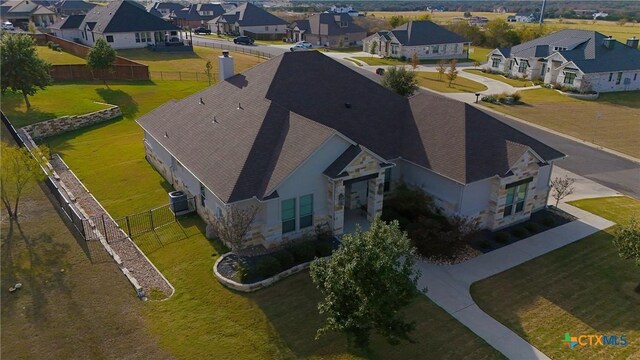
{"x":349,"y":10}
{"x":327,"y":29}
{"x":21,"y":12}
{"x":68,"y":28}
{"x":250,"y":20}
{"x":311,"y":142}
{"x":523,"y":17}
{"x":576,"y":58}
{"x":164,"y":8}
{"x":124,"y":24}
{"x":73,"y":7}
{"x":424,"y":38}
{"x":196,"y":15}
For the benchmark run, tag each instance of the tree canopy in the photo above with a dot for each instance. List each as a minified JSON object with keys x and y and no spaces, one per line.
{"x":400,"y":80}
{"x":101,"y":57}
{"x":21,"y":69}
{"x":20,"y":171}
{"x":366,"y":283}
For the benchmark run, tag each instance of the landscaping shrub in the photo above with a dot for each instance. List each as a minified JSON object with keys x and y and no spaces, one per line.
{"x":244,"y":273}
{"x":403,"y":58}
{"x":490,"y":99}
{"x":502,"y":237}
{"x":516,"y":96}
{"x":548,"y":221}
{"x":267,"y":266}
{"x":520,"y":232}
{"x":303,"y":252}
{"x":286,"y":258}
{"x":50,"y":44}
{"x":532,"y":227}
{"x":323,"y":249}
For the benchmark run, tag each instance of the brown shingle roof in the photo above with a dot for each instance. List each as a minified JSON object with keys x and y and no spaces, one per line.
{"x":294,"y":103}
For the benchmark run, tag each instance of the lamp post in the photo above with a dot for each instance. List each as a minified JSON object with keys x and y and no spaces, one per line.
{"x":477,"y":97}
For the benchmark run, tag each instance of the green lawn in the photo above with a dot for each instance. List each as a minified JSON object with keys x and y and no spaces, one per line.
{"x":504,"y":79}
{"x":610,"y":121}
{"x":58,"y":57}
{"x":430,"y":80}
{"x":375,"y":61}
{"x":479,"y":54}
{"x":68,"y":307}
{"x":206,"y":320}
{"x":582,"y":288}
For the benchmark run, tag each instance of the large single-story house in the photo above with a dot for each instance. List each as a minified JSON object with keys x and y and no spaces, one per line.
{"x":250,"y":20}
{"x":21,"y":12}
{"x":575,"y":58}
{"x":325,"y":147}
{"x":196,"y":15}
{"x":164,"y":9}
{"x":424,"y":38}
{"x":327,"y":29}
{"x":124,"y":24}
{"x":73,"y":7}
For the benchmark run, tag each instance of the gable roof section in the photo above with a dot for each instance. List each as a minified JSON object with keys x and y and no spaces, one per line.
{"x":124,"y":16}
{"x":328,"y":24}
{"x":416,"y":33}
{"x":248,"y":152}
{"x":70,"y":22}
{"x":585,"y":48}
{"x":248,"y":14}
{"x":74,"y":5}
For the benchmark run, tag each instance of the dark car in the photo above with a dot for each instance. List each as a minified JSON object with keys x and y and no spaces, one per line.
{"x":245,"y":40}
{"x":380,"y":71}
{"x":201,"y":30}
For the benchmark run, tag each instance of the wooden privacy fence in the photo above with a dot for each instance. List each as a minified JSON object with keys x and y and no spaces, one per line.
{"x":82,"y":72}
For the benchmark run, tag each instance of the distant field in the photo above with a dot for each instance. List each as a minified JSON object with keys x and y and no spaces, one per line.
{"x":438,"y":17}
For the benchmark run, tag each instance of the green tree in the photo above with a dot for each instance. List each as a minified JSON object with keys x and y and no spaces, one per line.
{"x":452,"y":72}
{"x":500,"y":33}
{"x":397,"y":20}
{"x":424,"y":17}
{"x":101,"y":58}
{"x":400,"y":80}
{"x":374,"y":48}
{"x":627,"y":241}
{"x":366,"y":283}
{"x":20,"y":67}
{"x":414,"y":61}
{"x":209,"y":71}
{"x":20,"y":172}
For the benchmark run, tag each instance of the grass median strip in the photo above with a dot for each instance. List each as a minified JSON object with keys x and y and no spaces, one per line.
{"x":431,"y":80}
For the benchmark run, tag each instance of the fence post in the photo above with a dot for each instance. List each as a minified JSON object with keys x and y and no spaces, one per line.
{"x":161,"y":78}
{"x":104,"y":226}
{"x":180,"y":75}
{"x":151,"y":217}
{"x":128,"y":225}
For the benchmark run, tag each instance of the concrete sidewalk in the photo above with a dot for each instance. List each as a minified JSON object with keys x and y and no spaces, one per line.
{"x":449,"y":285}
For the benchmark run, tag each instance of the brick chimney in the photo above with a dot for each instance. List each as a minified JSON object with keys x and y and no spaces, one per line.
{"x":632,"y":42}
{"x":225,"y":62}
{"x":608,"y":42}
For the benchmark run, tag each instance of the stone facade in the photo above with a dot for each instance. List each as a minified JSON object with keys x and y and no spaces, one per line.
{"x":65,"y":124}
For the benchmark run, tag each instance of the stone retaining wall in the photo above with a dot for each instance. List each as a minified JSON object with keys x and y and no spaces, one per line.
{"x":65,"y":124}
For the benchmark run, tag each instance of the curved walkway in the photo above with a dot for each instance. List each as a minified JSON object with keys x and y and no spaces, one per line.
{"x":448,"y":286}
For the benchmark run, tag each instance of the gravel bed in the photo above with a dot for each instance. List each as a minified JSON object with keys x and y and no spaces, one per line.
{"x":140,"y":268}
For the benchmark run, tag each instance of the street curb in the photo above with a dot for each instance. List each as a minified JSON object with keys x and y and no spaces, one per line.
{"x":584,"y":142}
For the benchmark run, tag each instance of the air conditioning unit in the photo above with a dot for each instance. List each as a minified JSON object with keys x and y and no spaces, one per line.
{"x":178,"y":202}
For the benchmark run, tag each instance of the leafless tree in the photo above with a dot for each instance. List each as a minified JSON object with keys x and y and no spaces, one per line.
{"x":19,"y":172}
{"x":441,"y":68}
{"x":233,"y":225}
{"x":452,"y":73}
{"x":562,"y":187}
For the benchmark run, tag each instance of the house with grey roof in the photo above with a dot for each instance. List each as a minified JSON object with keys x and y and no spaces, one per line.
{"x":21,"y":12}
{"x":582,"y":59}
{"x":328,"y":154}
{"x":124,"y":24}
{"x":195,"y":15}
{"x":327,"y":29}
{"x":426,"y":39}
{"x":73,"y":7}
{"x":250,"y":20}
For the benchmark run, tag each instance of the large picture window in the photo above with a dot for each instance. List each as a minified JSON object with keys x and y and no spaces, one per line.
{"x":495,"y":62}
{"x":306,"y":211}
{"x":569,"y":77}
{"x":288,"y":215}
{"x":514,"y":202}
{"x":522,"y":68}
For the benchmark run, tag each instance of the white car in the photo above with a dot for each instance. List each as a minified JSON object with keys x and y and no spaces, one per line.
{"x":301,"y":45}
{"x":7,"y":26}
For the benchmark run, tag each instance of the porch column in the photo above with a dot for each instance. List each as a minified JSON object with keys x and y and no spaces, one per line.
{"x":376,"y":195}
{"x":336,"y":206}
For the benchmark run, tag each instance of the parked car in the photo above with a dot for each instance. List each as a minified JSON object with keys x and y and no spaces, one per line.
{"x":245,"y":40}
{"x":7,"y":26}
{"x":201,"y":30}
{"x":301,"y":46}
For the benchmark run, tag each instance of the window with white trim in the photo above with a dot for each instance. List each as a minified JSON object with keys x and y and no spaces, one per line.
{"x":619,"y":78}
{"x":203,"y":194}
{"x":569,"y":77}
{"x":288,"y":215}
{"x":514,"y":202}
{"x":522,"y":68}
{"x":306,"y":211}
{"x":109,"y":38}
{"x":495,"y":62}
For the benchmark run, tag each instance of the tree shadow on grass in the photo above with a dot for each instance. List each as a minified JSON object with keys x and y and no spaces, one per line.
{"x":127,"y":104}
{"x":12,"y":104}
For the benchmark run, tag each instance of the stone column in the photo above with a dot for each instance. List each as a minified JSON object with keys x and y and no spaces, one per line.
{"x":376,"y":196}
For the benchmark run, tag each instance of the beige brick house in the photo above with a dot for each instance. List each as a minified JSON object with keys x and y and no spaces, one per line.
{"x":329,"y":153}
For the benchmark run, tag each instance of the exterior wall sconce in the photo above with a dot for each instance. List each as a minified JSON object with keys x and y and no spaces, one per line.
{"x":341,"y":200}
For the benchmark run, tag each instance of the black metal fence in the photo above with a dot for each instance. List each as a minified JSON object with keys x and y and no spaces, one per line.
{"x":182,"y":76}
{"x":239,"y":49}
{"x":147,"y":221}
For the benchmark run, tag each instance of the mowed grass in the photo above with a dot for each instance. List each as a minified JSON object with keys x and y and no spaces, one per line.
{"x":58,"y":57}
{"x":109,"y":157}
{"x":187,"y":62}
{"x":204,"y":319}
{"x":582,"y":288}
{"x":431,"y":81}
{"x":504,"y":79}
{"x":68,"y":307}
{"x":611,"y":121}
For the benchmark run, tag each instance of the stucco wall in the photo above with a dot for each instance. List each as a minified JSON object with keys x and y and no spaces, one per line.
{"x":446,"y":193}
{"x":600,"y":81}
{"x":65,"y":124}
